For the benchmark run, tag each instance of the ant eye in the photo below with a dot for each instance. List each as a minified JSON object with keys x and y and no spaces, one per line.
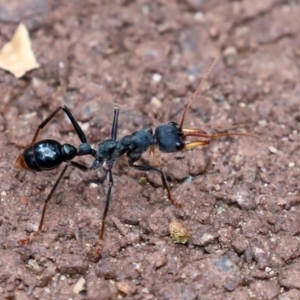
{"x":174,"y":124}
{"x":179,"y":145}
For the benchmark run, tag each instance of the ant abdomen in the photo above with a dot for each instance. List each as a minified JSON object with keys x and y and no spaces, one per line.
{"x":45,"y":155}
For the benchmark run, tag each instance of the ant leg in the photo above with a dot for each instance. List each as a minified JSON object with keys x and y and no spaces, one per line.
{"x":80,"y":166}
{"x":43,"y":124}
{"x":163,"y":179}
{"x":39,"y":129}
{"x":108,"y":196}
{"x":76,"y":126}
{"x":153,"y":156}
{"x":25,"y":241}
{"x":114,"y":128}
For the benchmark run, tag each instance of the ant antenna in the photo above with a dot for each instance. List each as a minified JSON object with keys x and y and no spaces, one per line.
{"x":205,"y":135}
{"x":198,"y":90}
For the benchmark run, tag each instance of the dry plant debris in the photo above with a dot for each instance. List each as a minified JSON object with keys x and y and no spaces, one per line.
{"x":17,"y":56}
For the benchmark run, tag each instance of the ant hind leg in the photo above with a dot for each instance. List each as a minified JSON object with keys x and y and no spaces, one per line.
{"x":81,"y":167}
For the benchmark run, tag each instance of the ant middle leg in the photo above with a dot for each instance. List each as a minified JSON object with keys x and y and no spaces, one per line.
{"x":104,"y":215}
{"x":114,"y":131}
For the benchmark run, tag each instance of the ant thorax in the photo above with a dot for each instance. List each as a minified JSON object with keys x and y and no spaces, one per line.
{"x":108,"y":150}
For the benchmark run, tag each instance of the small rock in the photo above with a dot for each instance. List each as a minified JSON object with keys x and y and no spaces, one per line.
{"x":156,"y":259}
{"x":178,"y":233}
{"x":230,"y":55}
{"x":126,"y":287}
{"x":156,"y":102}
{"x":106,"y":270}
{"x":273,"y":150}
{"x":79,"y":286}
{"x":156,"y":77}
{"x":70,"y":264}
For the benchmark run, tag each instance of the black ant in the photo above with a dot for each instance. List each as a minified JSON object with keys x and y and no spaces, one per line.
{"x":169,"y":138}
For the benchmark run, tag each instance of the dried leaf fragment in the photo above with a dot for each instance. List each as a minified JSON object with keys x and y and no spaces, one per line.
{"x":17,"y":56}
{"x":178,"y":233}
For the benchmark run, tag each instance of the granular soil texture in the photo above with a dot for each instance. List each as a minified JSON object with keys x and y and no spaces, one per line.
{"x":240,"y":195}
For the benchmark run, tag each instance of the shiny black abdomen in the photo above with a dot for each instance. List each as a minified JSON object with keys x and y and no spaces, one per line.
{"x":48,"y":155}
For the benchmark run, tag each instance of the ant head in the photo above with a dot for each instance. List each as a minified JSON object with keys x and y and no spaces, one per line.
{"x":169,"y":137}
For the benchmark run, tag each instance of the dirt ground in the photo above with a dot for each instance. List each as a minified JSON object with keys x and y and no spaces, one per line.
{"x":241,"y":195}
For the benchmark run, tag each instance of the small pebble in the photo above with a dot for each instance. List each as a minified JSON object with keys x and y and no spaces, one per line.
{"x":61,"y":64}
{"x":273,"y":150}
{"x":262,"y":123}
{"x":79,"y":286}
{"x":143,"y":181}
{"x":213,"y":32}
{"x":126,"y":287}
{"x":230,"y":55}
{"x":191,"y":78}
{"x":156,"y":102}
{"x":178,"y":233}
{"x":156,"y":77}
{"x":230,"y":51}
{"x":199,"y":16}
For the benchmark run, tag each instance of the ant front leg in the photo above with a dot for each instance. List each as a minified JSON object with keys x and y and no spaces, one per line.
{"x":107,"y":201}
{"x":110,"y":162}
{"x":163,"y":179}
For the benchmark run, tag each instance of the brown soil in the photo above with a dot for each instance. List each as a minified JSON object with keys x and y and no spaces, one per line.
{"x":240,"y":195}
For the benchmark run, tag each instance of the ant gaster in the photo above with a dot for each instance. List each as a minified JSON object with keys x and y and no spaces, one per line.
{"x":47,"y":154}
